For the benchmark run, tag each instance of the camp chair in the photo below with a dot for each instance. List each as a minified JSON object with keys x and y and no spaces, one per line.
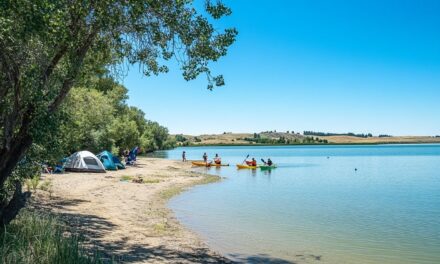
{"x":131,"y":159}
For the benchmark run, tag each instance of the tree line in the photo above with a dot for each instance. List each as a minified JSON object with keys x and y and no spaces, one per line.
{"x":322,"y":134}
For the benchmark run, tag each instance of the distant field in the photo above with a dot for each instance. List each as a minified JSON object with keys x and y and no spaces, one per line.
{"x":381,"y":140}
{"x":240,"y":139}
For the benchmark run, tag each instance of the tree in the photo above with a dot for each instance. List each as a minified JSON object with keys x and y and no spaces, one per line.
{"x":48,"y":46}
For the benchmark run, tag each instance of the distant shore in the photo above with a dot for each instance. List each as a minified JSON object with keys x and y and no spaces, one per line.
{"x":129,"y":221}
{"x":295,"y":139}
{"x":316,"y":144}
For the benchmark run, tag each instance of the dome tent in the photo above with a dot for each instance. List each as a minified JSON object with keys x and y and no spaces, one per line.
{"x":83,"y":161}
{"x":109,"y":161}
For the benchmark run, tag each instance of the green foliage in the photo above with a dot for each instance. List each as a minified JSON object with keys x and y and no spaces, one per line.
{"x":98,"y":118}
{"x":312,"y":133}
{"x":180,"y":138}
{"x":46,"y":186}
{"x":282,"y":140}
{"x":34,"y":238}
{"x":32,"y":183}
{"x":47,"y":47}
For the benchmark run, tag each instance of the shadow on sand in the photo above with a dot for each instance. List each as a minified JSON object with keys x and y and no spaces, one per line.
{"x":92,"y":228}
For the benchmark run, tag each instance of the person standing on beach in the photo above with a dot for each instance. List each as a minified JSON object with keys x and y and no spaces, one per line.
{"x":205,"y":157}
{"x":183,"y":156}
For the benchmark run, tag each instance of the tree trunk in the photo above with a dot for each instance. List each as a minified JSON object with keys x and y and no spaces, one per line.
{"x":9,"y":210}
{"x":8,"y":161}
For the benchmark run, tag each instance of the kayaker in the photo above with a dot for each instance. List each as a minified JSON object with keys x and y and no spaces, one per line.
{"x":253,"y":162}
{"x":269,"y":162}
{"x":184,"y":156}
{"x":205,"y":157}
{"x":217,"y":159}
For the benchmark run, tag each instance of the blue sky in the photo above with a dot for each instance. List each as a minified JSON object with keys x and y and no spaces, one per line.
{"x":331,"y":66}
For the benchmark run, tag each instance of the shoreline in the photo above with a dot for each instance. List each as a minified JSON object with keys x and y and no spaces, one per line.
{"x":129,"y":221}
{"x":308,"y":145}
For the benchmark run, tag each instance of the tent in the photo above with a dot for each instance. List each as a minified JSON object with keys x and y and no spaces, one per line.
{"x":84,"y":161}
{"x":109,"y":161}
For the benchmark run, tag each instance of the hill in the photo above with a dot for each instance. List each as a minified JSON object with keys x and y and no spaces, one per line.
{"x":283,"y":138}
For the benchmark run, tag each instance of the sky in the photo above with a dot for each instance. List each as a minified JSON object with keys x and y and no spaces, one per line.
{"x":330,"y":66}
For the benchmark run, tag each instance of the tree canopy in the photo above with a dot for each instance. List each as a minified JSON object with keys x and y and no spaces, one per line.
{"x":47,"y":47}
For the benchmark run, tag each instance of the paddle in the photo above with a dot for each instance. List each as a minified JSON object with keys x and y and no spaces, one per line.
{"x":263,"y":161}
{"x":245,"y":159}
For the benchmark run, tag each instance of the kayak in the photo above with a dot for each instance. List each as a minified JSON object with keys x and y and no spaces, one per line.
{"x":201,"y":163}
{"x":204,"y":164}
{"x":241,"y":166}
{"x":267,"y":167}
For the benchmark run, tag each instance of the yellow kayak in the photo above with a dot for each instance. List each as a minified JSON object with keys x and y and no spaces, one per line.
{"x":200,"y":163}
{"x":241,"y":166}
{"x":204,"y":164}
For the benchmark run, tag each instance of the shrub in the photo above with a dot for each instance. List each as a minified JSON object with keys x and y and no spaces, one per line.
{"x":37,"y":238}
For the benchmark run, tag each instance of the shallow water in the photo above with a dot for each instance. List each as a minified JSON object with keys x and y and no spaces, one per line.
{"x":316,"y":208}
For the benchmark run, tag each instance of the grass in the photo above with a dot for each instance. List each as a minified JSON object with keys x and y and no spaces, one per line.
{"x":160,"y":228}
{"x":208,"y":179}
{"x":170,"y":192}
{"x":32,"y":183}
{"x":37,"y":238}
{"x":175,"y":190}
{"x":126,"y":178}
{"x":151,"y":181}
{"x":146,"y":181}
{"x":46,"y":185}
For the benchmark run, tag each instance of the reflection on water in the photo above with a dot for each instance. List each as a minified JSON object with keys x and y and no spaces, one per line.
{"x":316,"y":208}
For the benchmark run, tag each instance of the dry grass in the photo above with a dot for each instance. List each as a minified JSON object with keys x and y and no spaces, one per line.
{"x":380,"y":140}
{"x":238,"y":139}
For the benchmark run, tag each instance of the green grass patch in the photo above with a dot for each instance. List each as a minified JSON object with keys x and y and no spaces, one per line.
{"x":46,"y":185}
{"x":126,"y":178}
{"x":170,"y":192}
{"x":208,"y":179}
{"x":36,"y":238}
{"x":32,"y":183}
{"x":160,"y":228}
{"x":147,"y":181}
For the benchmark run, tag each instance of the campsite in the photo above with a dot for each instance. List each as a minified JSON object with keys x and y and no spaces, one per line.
{"x":311,"y":129}
{"x":85,"y":161}
{"x":124,"y":220}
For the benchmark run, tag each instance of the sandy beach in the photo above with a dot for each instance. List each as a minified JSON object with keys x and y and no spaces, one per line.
{"x":129,"y":221}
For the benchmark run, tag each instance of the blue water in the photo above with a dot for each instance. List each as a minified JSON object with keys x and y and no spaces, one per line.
{"x":316,"y":208}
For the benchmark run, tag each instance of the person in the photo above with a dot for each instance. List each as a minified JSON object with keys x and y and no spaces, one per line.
{"x":217,"y":159}
{"x":183,"y":156}
{"x":125,"y":154}
{"x":205,"y":157}
{"x":269,"y":162}
{"x":254,"y":162}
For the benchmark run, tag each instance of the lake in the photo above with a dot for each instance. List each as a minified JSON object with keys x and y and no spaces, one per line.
{"x":316,"y":207}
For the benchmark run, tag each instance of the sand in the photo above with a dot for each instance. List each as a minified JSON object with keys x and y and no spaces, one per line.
{"x":128,"y":221}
